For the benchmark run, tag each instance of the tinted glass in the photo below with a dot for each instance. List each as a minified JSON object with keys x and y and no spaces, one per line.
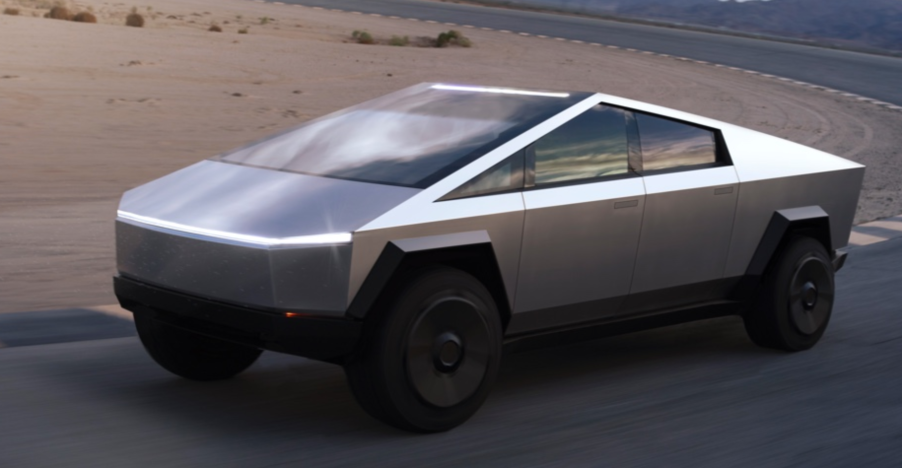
{"x":592,"y":145}
{"x":504,"y":176}
{"x":667,"y":144}
{"x":413,"y":137}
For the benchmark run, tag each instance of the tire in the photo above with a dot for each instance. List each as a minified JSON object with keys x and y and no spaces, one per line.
{"x":190,"y":355}
{"x":793,"y":306}
{"x":429,"y":358}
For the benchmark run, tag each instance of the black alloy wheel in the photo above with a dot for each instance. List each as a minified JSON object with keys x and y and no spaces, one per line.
{"x":429,"y":358}
{"x":793,"y":307}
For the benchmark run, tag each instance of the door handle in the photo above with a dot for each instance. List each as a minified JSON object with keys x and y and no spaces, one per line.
{"x":723,"y":190}
{"x":626,"y":204}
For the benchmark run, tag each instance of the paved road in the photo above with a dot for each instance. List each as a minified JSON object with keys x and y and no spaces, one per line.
{"x":873,"y":76}
{"x":695,"y":395}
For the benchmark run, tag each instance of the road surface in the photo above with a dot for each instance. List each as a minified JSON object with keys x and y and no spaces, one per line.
{"x":873,"y":76}
{"x":695,"y":395}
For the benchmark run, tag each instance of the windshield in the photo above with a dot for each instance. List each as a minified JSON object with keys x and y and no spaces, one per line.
{"x":412,"y":138}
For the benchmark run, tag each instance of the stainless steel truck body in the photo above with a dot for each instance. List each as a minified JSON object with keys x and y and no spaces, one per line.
{"x":419,"y":232}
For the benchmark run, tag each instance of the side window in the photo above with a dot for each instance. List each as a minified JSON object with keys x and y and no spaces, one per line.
{"x":502,"y":177}
{"x":592,"y":145}
{"x":667,"y":144}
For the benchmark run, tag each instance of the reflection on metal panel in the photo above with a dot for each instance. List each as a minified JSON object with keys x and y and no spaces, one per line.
{"x":686,"y":229}
{"x":501,"y":216}
{"x":835,"y":192}
{"x":578,"y":246}
{"x":260,"y":202}
{"x":310,"y":278}
{"x":758,"y":156}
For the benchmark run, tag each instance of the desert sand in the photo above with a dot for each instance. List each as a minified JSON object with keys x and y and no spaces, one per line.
{"x":88,"y":111}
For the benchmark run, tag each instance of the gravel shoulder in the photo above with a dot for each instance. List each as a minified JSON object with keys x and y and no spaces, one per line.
{"x":88,"y":111}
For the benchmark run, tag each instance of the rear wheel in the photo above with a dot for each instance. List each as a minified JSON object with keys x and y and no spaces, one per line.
{"x":190,"y":355}
{"x":428,"y":360}
{"x":793,"y":306}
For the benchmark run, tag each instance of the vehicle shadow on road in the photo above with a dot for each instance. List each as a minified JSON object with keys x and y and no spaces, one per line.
{"x":284,"y":396}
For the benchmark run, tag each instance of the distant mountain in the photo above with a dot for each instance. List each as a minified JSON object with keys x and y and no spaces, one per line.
{"x":869,"y":23}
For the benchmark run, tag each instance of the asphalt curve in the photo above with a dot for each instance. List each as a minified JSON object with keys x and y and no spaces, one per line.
{"x":873,"y":76}
{"x":694,"y":395}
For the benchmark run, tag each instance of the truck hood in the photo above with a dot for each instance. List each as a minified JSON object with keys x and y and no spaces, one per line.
{"x":240,"y":203}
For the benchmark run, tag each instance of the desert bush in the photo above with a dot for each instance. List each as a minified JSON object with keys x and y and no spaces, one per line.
{"x":242,"y":31}
{"x":265,"y":20}
{"x":84,"y":17}
{"x":11,"y":11}
{"x":363,"y":37}
{"x":134,"y":19}
{"x":59,"y":12}
{"x":399,"y":41}
{"x":214,"y":28}
{"x":452,"y":37}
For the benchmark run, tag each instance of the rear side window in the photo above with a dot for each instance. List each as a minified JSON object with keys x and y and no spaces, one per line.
{"x":591,"y":146}
{"x":667,"y":144}
{"x":505,"y":176}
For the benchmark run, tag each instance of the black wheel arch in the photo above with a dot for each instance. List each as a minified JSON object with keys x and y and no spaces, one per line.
{"x":471,"y":252}
{"x":784,"y":225}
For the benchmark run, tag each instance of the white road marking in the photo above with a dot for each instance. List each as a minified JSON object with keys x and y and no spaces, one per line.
{"x":863,"y":234}
{"x":858,"y":239}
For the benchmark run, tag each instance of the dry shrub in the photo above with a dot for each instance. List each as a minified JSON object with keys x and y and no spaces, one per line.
{"x":60,"y":13}
{"x":363,"y":37}
{"x":84,"y":17}
{"x":134,"y":19}
{"x":242,"y":31}
{"x":452,"y":37}
{"x":399,"y":41}
{"x":214,"y":28}
{"x":11,"y":11}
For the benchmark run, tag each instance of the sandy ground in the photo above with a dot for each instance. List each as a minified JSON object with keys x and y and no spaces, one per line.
{"x":88,"y":111}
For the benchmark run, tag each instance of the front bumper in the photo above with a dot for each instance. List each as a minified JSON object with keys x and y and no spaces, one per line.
{"x":328,"y":339}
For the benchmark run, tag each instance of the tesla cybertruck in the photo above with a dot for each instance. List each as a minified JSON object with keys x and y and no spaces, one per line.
{"x":413,"y":237}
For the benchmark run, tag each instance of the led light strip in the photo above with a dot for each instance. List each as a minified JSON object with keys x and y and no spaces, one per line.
{"x":333,"y":238}
{"x":474,"y":89}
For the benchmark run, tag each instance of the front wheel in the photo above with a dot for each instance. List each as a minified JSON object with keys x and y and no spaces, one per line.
{"x":428,"y":361}
{"x":793,"y":306}
{"x":190,"y":355}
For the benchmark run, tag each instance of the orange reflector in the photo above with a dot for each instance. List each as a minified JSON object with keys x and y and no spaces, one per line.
{"x":293,"y":314}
